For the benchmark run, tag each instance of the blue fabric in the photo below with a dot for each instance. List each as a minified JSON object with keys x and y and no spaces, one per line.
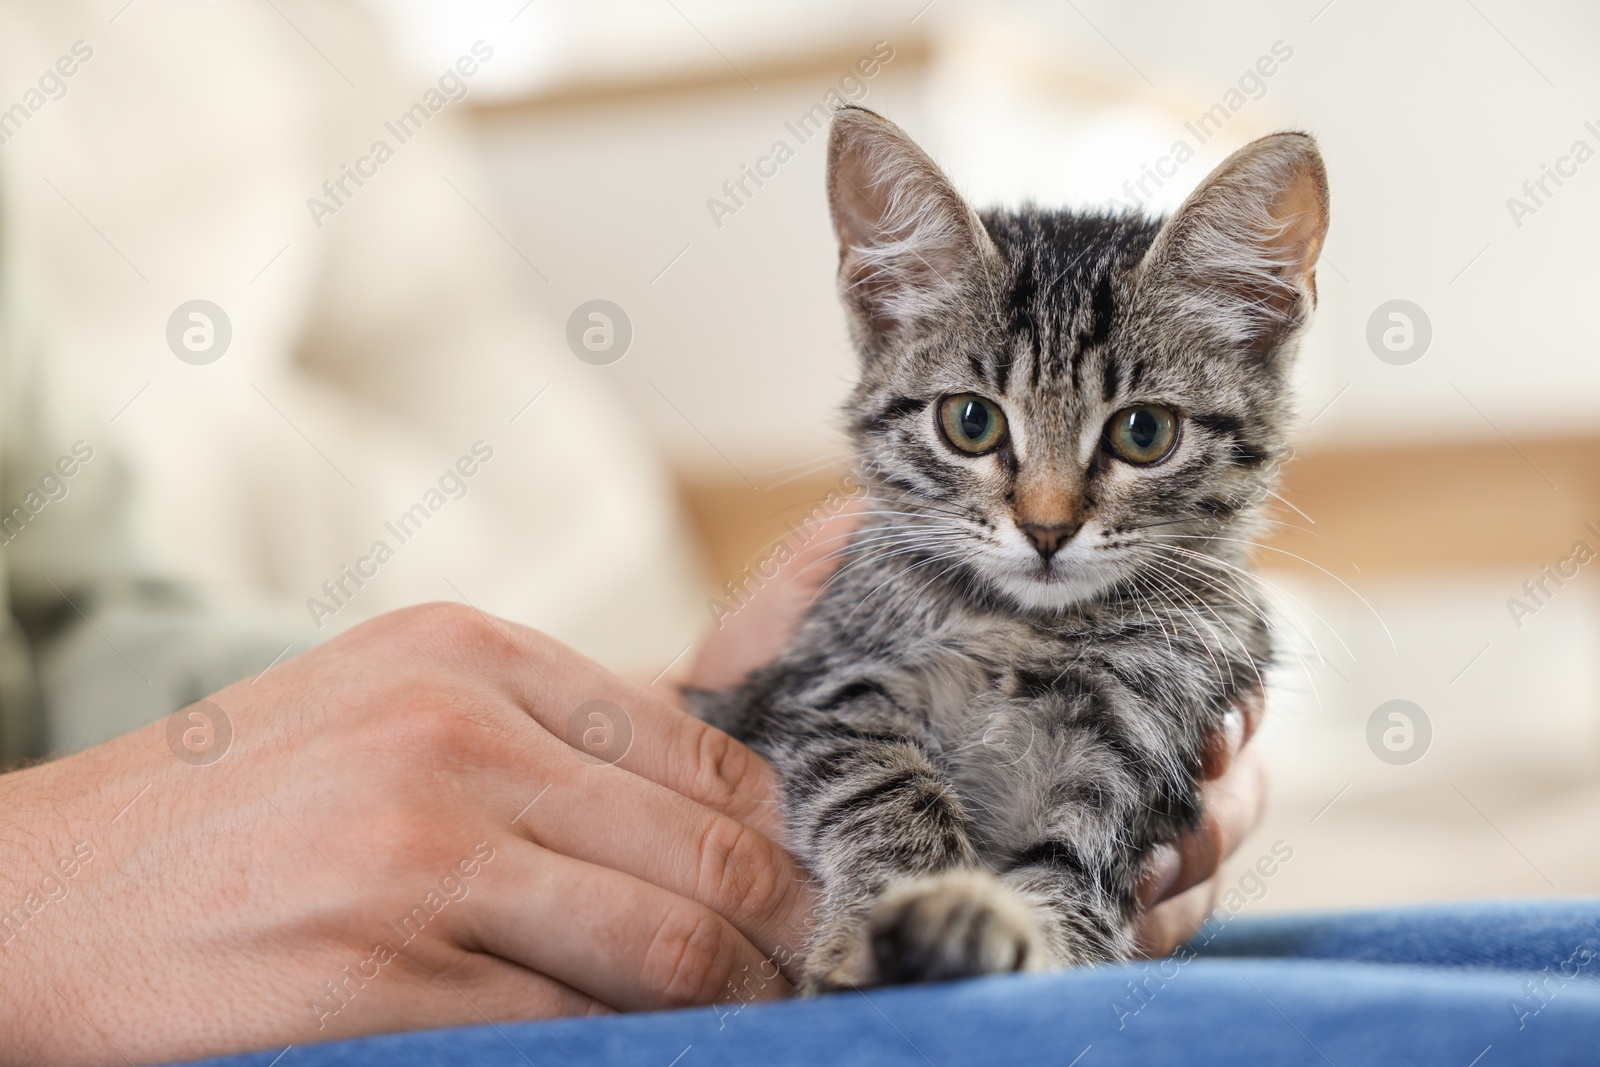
{"x":1476,"y":985}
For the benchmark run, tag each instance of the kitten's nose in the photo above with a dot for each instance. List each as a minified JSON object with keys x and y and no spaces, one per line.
{"x":1048,"y":539}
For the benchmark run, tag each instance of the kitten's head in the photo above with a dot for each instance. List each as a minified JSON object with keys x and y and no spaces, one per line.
{"x":1057,"y":401}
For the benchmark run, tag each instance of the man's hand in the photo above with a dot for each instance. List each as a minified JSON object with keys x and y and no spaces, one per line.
{"x":435,"y":819}
{"x":1181,"y":888}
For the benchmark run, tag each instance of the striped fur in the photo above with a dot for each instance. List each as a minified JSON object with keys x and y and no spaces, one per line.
{"x":980,"y":747}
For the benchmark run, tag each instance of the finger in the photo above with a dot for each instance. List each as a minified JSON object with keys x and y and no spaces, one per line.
{"x":496,"y":988}
{"x":676,"y":750}
{"x":1253,"y":702}
{"x":1168,"y":925}
{"x":1222,"y":745}
{"x":1231,"y":806}
{"x":603,"y":815}
{"x":425,"y":980}
{"x":670,"y":747}
{"x":475,"y":988}
{"x":597,"y":713}
{"x":1161,"y":873}
{"x":627,"y":944}
{"x":1239,"y":724}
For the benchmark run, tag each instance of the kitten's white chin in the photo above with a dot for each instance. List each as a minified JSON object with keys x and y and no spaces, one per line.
{"x":1051,"y":591}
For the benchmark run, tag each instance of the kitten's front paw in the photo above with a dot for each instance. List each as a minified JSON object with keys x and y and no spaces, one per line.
{"x":959,"y":924}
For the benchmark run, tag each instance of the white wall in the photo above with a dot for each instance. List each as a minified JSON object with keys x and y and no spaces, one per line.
{"x":1430,"y":117}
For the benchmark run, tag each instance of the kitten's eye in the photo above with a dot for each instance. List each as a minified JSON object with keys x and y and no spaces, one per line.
{"x":971,"y":423}
{"x":1144,"y":434}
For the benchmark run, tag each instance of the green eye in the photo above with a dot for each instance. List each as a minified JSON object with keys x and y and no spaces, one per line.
{"x":971,"y":423}
{"x":1143,"y":434}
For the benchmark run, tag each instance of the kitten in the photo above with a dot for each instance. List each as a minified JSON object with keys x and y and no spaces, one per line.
{"x":1066,"y":425}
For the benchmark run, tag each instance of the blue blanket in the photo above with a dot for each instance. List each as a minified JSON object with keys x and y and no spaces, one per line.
{"x":1467,"y":985}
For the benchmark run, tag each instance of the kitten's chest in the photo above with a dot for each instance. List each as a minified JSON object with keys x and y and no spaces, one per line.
{"x":997,"y":679}
{"x":994,"y":694}
{"x":1003,"y":697}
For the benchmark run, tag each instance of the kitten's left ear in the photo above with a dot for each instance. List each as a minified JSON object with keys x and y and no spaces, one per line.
{"x":1237,"y":259}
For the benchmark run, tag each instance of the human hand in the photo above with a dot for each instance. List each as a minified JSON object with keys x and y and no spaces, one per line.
{"x":403,"y":833}
{"x":1181,"y":885}
{"x":752,"y":635}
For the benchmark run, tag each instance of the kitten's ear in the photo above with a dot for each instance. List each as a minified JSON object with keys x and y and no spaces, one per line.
{"x":1237,"y":259}
{"x":907,"y":241}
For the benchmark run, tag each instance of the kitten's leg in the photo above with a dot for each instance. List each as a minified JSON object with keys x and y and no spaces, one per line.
{"x":1087,"y":914}
{"x":1082,"y":871}
{"x":905,"y":897}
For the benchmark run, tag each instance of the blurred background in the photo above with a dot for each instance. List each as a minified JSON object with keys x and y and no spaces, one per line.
{"x":1450,"y":391}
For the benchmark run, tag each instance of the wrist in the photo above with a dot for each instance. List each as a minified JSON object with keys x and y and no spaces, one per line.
{"x":57,"y":821}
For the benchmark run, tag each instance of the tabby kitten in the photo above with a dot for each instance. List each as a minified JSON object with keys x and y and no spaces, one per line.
{"x":1066,"y":425}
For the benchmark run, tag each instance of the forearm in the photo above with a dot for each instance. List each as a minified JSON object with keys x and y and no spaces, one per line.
{"x":61,"y":827}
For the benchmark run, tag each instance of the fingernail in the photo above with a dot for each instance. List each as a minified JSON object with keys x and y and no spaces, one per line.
{"x":1160,"y":872}
{"x":1233,"y":729}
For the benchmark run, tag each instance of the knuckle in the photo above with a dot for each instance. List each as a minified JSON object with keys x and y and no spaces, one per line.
{"x":723,"y":768}
{"x":690,"y":957}
{"x":435,"y":615}
{"x":417,"y":738}
{"x":741,"y":872}
{"x":457,"y":622}
{"x":441,"y":631}
{"x":437,"y":723}
{"x":461,"y":633}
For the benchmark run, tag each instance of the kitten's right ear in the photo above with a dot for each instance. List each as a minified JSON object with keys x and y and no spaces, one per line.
{"x":907,"y":241}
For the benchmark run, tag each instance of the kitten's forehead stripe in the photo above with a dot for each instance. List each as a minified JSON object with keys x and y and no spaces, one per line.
{"x":1002,"y":364}
{"x":1101,"y":312}
{"x":1110,"y":378}
{"x":1061,"y":293}
{"x":1137,"y":376}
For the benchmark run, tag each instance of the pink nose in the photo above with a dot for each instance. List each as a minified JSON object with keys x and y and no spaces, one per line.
{"x":1048,"y":539}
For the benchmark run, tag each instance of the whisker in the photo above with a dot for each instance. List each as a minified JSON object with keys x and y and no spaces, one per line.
{"x":1293,"y":647}
{"x":1198,"y":634}
{"x":1273,"y":589}
{"x":879,"y":556}
{"x":1348,"y":587}
{"x":899,"y":574}
{"x":1250,"y":659}
{"x":1291,"y":507}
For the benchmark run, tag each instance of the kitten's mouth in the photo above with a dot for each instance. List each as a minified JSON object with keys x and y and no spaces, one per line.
{"x":1061,"y":568}
{"x":1050,"y":585}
